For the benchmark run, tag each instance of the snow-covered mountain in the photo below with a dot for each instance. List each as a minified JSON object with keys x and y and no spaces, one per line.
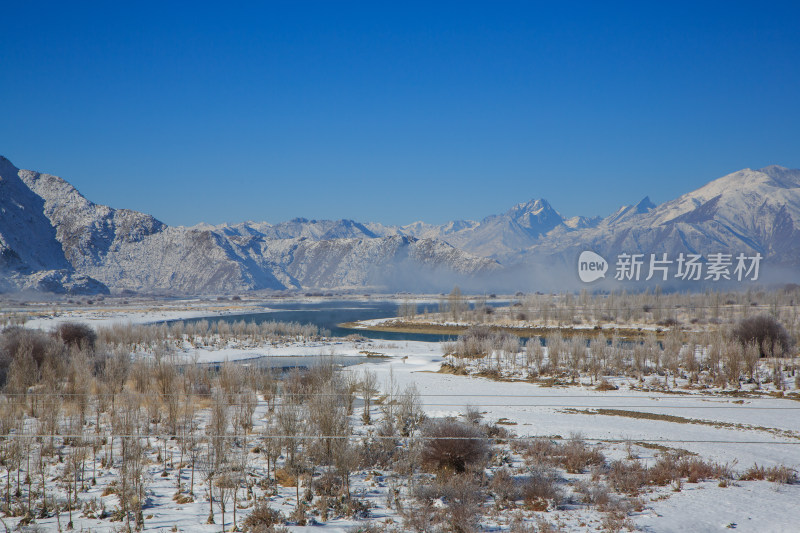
{"x":496,"y":236}
{"x":299,"y":228}
{"x":749,"y":211}
{"x":504,"y":235}
{"x":54,"y":239}
{"x":627,"y":211}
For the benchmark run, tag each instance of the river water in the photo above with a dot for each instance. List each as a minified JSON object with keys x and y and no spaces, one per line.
{"x":329,"y":314}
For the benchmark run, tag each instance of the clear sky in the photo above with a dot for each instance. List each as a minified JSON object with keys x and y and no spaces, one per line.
{"x":395,"y":112}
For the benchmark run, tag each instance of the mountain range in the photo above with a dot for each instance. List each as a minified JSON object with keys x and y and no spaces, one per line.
{"x":53,"y":239}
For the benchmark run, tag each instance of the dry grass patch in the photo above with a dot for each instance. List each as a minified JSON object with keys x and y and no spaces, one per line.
{"x":285,"y":478}
{"x":576,"y":456}
{"x":459,"y":370}
{"x":540,"y":489}
{"x":627,"y":477}
{"x":182,"y":498}
{"x":776,"y":474}
{"x":661,"y":448}
{"x":606,"y":385}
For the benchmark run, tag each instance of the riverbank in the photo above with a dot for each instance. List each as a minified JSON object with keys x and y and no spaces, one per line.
{"x":455,"y":329}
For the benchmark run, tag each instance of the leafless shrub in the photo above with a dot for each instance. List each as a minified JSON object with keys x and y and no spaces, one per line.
{"x":368,"y":528}
{"x":766,"y":332}
{"x":77,"y":335}
{"x":262,"y":519}
{"x":369,"y":388}
{"x":480,"y":341}
{"x":616,"y":521}
{"x":577,"y":456}
{"x":616,"y":513}
{"x":776,"y":474}
{"x":539,"y":451}
{"x":627,"y":477}
{"x":300,"y":514}
{"x":419,"y":513}
{"x":378,"y":452}
{"x":18,"y":343}
{"x":782,"y":474}
{"x":541,"y":486}
{"x":664,"y":471}
{"x":695,"y":469}
{"x":540,"y":525}
{"x":472,"y":415}
{"x":504,"y":487}
{"x":462,"y":499}
{"x":593,"y":493}
{"x":453,"y":446}
{"x":605,"y":385}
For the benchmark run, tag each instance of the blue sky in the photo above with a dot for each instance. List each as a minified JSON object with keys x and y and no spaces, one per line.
{"x":395,"y":112}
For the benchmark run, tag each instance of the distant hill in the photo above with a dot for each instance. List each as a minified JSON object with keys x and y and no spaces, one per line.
{"x":53,"y":239}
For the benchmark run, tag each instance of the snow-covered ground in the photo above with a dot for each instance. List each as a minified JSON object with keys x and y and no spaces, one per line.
{"x":544,"y":411}
{"x":103,"y":317}
{"x":731,"y":430}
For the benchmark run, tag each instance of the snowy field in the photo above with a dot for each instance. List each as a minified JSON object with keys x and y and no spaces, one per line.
{"x":735,"y":431}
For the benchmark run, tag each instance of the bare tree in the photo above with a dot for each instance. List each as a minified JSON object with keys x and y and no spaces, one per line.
{"x":290,"y":422}
{"x":369,"y":387}
{"x":226,"y":486}
{"x":672,"y":360}
{"x":534,"y":354}
{"x":327,"y":417}
{"x":766,"y":332}
{"x":217,"y":427}
{"x":456,"y":304}
{"x":732,"y":360}
{"x":209,"y":466}
{"x":751,"y":353}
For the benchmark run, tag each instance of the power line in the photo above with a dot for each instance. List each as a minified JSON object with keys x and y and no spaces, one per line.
{"x":608,"y":394}
{"x":591,"y":406}
{"x":397,"y":438}
{"x":594,"y":406}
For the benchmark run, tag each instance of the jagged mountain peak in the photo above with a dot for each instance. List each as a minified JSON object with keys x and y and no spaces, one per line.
{"x":538,"y":207}
{"x":644,"y":205}
{"x":535,"y":205}
{"x":627,"y":212}
{"x":581,"y":222}
{"x":6,"y":167}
